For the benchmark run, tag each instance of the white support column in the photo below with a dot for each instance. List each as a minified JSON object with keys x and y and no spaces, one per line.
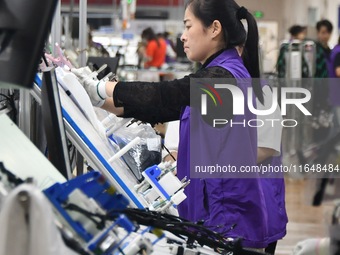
{"x":24,"y":116}
{"x":56,"y":27}
{"x":82,"y":32}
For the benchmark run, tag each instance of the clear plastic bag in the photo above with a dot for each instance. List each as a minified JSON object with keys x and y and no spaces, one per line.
{"x":143,"y":155}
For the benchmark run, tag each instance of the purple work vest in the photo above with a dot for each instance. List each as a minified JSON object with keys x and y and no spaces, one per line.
{"x":234,"y":207}
{"x":274,"y":193}
{"x":334,"y":84}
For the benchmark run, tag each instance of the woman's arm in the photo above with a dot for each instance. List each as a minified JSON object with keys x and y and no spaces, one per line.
{"x":154,"y":102}
{"x":166,"y":94}
{"x":141,"y":109}
{"x":264,"y":153}
{"x":110,"y":107}
{"x":146,"y":101}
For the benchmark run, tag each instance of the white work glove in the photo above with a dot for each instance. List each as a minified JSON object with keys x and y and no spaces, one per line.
{"x":94,"y":88}
{"x":315,"y":246}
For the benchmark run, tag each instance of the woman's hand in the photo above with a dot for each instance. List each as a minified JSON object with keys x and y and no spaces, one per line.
{"x":100,"y":92}
{"x":94,"y":88}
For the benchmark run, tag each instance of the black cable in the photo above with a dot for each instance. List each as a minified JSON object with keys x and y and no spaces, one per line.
{"x":121,"y":251}
{"x":163,"y":221}
{"x":44,"y":59}
{"x":228,"y":230}
{"x":100,"y":225}
{"x":176,"y":225}
{"x":168,"y":152}
{"x":5,"y":105}
{"x":5,"y":96}
{"x":132,"y":122}
{"x":11,"y":101}
{"x":72,"y":243}
{"x":179,"y":226}
{"x":200,"y":233}
{"x":10,"y":176}
{"x":72,"y":151}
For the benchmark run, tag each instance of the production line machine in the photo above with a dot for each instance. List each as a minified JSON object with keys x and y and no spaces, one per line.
{"x":44,"y":209}
{"x":109,"y":146}
{"x":156,"y":188}
{"x":94,"y":218}
{"x":123,"y":206}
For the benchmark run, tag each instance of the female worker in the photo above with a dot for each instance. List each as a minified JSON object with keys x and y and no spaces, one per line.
{"x":213,"y":35}
{"x":155,"y":49}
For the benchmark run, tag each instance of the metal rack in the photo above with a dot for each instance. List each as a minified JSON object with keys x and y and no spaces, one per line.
{"x":96,"y":158}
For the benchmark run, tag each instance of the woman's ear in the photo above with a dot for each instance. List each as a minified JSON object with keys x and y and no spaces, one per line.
{"x":216,"y":28}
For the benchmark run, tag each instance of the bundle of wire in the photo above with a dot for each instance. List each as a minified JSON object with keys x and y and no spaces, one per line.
{"x":195,"y":232}
{"x":9,"y":101}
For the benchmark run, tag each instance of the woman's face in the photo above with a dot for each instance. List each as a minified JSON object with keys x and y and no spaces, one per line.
{"x":197,"y":40}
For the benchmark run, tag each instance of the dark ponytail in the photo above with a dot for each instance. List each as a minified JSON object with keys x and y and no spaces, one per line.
{"x":230,"y":14}
{"x":251,"y":51}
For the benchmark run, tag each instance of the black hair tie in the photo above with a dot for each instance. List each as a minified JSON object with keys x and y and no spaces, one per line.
{"x":242,"y":13}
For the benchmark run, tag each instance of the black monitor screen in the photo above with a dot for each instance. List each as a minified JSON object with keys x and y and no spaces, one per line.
{"x":53,"y":122}
{"x":24,"y":26}
{"x":97,"y":62}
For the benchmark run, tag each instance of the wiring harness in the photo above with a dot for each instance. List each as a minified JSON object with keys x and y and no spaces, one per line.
{"x":196,"y":233}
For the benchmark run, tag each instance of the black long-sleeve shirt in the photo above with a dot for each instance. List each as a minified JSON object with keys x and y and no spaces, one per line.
{"x":156,"y":102}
